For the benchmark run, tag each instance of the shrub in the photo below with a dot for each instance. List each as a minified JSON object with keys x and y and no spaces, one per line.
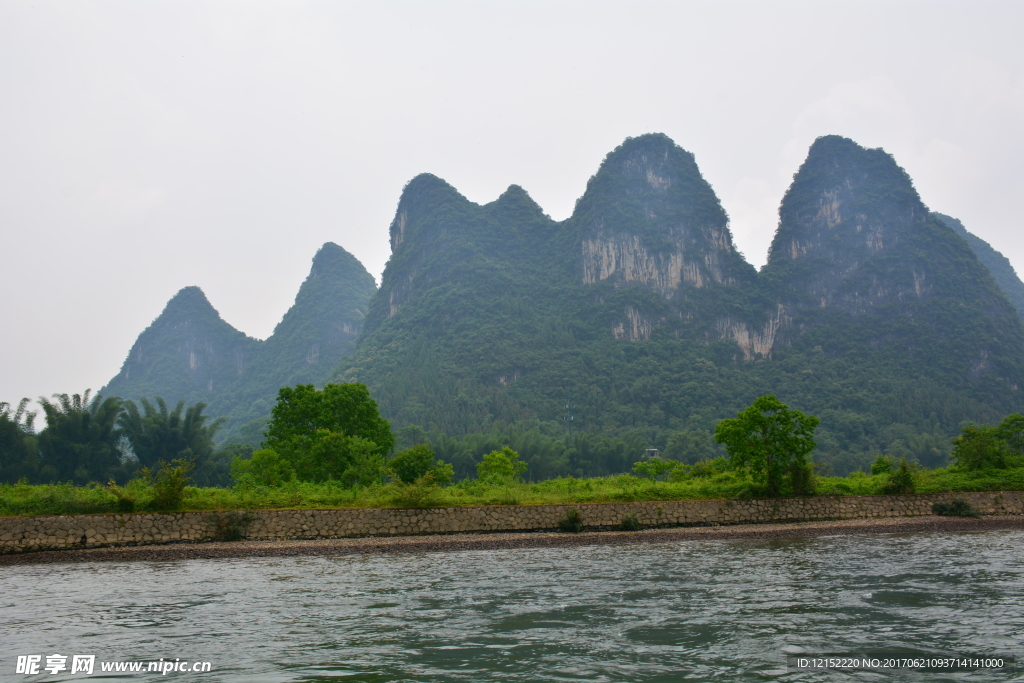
{"x":630,"y":522}
{"x":660,"y":469}
{"x":169,"y":485}
{"x":901,"y":480}
{"x":883,"y":464}
{"x":125,"y":500}
{"x":709,"y":468}
{"x":412,"y":464}
{"x":572,"y":522}
{"x":801,"y":477}
{"x":265,"y":468}
{"x":501,"y":466}
{"x":416,"y":494}
{"x":958,"y":507}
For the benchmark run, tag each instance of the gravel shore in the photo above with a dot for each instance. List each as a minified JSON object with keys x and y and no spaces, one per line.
{"x":454,"y":542}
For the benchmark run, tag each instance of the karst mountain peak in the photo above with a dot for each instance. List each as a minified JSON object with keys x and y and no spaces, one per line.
{"x":640,"y":306}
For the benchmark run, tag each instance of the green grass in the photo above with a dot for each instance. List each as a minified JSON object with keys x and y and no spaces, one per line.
{"x":67,"y":499}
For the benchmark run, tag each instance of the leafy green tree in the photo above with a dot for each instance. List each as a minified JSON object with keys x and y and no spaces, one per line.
{"x":79,"y":440}
{"x":157,"y":433}
{"x":771,"y":441}
{"x":345,"y":409}
{"x":1011,"y":433}
{"x":418,"y":461}
{"x":17,"y":446}
{"x":501,"y":466}
{"x":979,"y":447}
{"x":327,"y":455}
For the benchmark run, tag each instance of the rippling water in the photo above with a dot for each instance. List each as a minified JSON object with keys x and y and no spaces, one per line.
{"x":691,"y":610}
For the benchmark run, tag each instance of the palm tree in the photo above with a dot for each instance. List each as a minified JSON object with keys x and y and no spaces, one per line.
{"x":157,"y":433}
{"x":78,"y":442}
{"x":17,"y":447}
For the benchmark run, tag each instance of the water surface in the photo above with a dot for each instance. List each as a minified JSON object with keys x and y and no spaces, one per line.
{"x":725,"y":610}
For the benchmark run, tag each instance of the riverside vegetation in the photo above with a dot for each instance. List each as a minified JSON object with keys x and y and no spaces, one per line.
{"x":318,"y":454}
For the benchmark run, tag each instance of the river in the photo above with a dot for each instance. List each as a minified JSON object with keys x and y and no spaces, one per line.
{"x":729,"y":610}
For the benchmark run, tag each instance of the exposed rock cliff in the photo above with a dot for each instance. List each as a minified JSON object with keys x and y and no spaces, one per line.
{"x":649,"y":218}
{"x":859,"y":262}
{"x":847,"y":227}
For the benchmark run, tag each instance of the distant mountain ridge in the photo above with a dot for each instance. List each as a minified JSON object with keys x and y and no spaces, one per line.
{"x":189,"y":352}
{"x":639,"y":314}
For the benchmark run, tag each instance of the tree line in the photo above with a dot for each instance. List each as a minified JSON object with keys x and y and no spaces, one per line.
{"x":92,"y":438}
{"x":337,"y":434}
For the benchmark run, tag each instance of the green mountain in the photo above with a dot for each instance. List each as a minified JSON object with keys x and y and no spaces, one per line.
{"x":997,"y":264}
{"x":635,"y":323}
{"x":871,"y":312}
{"x":190,"y":353}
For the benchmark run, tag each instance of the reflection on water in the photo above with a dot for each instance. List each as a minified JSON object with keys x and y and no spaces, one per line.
{"x":693,"y":610}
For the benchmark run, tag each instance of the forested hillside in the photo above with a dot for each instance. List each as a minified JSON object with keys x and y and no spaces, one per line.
{"x":997,"y":264}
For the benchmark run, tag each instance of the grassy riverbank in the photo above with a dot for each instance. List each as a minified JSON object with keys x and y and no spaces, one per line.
{"x":60,"y":499}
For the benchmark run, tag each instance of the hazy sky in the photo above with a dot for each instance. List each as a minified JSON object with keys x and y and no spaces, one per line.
{"x":147,"y":146}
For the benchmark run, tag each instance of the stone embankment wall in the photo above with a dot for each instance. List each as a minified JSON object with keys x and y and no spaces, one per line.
{"x":21,"y":534}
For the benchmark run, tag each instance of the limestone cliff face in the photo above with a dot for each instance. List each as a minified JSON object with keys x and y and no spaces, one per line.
{"x":649,"y":218}
{"x":858,"y":262}
{"x":755,"y":341}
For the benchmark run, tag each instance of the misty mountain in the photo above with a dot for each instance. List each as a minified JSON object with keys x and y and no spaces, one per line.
{"x":639,"y":313}
{"x":189,"y":352}
{"x":870,"y":313}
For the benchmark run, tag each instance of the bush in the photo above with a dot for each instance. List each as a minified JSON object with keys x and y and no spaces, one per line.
{"x":801,"y":477}
{"x":958,"y":507}
{"x":901,"y":480}
{"x":630,"y":522}
{"x":412,"y":464}
{"x":883,"y":464}
{"x":416,"y":494}
{"x":660,"y":469}
{"x":709,"y":468}
{"x":572,"y":522}
{"x":169,"y":485}
{"x":501,"y":466}
{"x":231,"y":526}
{"x":265,"y":468}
